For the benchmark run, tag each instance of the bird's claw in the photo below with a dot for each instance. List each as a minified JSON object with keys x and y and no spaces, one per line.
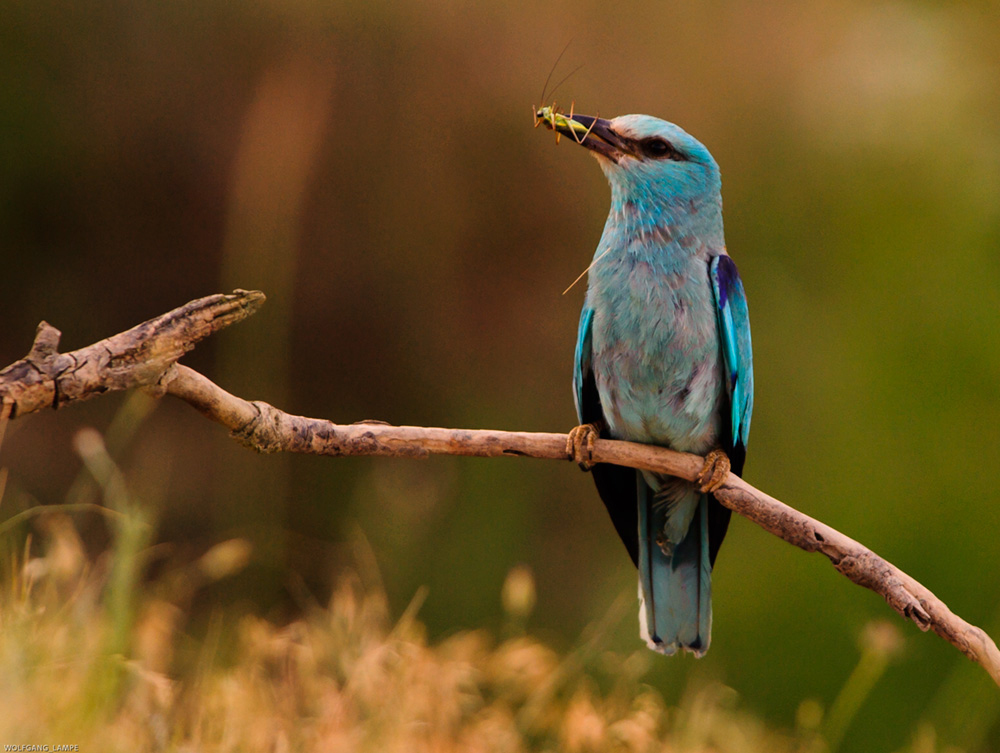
{"x":713,"y":474}
{"x":580,"y":445}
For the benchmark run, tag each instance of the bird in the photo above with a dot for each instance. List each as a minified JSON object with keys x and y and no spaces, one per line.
{"x":663,"y":357}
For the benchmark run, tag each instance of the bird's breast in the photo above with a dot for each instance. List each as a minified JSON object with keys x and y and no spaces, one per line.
{"x":656,"y":354}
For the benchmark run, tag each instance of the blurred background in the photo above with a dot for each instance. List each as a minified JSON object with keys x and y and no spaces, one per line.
{"x":372,"y":167}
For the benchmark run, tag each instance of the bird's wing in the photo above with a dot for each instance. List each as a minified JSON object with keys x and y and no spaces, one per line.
{"x":737,"y":353}
{"x":584,"y":389}
{"x":616,"y":484}
{"x":734,"y":333}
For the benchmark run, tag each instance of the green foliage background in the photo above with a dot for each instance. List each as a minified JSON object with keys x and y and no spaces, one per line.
{"x":371,"y":166}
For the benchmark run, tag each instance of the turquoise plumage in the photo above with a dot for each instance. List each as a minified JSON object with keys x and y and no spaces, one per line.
{"x":663,"y":357}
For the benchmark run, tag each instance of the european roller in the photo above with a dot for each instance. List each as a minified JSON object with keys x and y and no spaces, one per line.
{"x":663,"y":357}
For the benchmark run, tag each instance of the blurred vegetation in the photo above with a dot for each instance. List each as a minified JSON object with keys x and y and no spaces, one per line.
{"x":371,"y":167}
{"x":90,"y":658}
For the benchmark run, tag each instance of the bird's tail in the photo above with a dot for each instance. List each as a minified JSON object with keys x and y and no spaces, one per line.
{"x":675,"y":579}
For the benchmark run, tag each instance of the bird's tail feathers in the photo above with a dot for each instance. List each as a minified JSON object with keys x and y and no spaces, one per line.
{"x":675,"y":580}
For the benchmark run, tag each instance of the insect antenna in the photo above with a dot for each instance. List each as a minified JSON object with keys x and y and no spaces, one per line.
{"x":548,"y":78}
{"x":564,"y":79}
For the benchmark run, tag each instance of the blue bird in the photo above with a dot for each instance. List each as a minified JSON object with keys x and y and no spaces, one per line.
{"x":663,"y":357}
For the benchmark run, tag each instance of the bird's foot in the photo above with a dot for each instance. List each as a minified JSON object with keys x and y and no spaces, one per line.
{"x":713,"y":473}
{"x":580,"y":444}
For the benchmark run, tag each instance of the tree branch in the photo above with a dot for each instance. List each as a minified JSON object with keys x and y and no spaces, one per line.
{"x":146,"y":356}
{"x":46,"y":378}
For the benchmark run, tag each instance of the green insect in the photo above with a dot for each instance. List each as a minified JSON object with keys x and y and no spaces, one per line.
{"x":554,"y":120}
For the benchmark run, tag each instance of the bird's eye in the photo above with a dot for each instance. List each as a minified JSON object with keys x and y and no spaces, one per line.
{"x":657,"y":148}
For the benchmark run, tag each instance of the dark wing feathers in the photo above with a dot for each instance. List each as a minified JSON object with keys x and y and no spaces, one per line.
{"x":615,"y":483}
{"x":737,"y":353}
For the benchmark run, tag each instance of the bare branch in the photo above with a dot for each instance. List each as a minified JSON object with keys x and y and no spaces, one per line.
{"x":138,"y":357}
{"x":146,"y":356}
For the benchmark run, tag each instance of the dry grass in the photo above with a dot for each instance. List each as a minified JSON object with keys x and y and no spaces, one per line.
{"x":344,"y":678}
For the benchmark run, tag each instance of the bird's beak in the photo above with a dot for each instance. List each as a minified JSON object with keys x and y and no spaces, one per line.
{"x":593,"y":133}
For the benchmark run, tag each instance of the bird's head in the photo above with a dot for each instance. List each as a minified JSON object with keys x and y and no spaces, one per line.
{"x":645,"y":159}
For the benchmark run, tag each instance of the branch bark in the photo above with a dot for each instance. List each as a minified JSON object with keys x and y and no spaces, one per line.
{"x":146,"y":356}
{"x":46,"y":378}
